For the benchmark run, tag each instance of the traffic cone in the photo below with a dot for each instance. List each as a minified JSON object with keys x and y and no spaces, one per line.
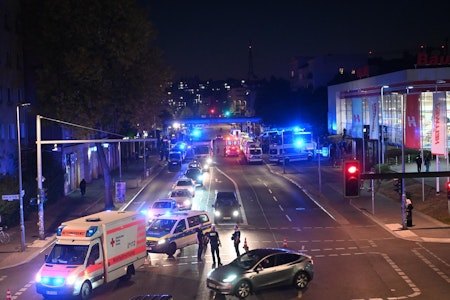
{"x":8,"y":295}
{"x":285,"y":243}
{"x":245,"y":245}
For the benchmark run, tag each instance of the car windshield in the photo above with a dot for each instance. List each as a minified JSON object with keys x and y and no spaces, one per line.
{"x":247,"y":260}
{"x":192,"y":172}
{"x":183,"y":183}
{"x":180,"y":193}
{"x":161,"y":225}
{"x":67,"y":255}
{"x":161,"y":204}
{"x":225,"y":202}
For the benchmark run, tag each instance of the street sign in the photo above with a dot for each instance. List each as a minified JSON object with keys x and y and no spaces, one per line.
{"x":10,"y":197}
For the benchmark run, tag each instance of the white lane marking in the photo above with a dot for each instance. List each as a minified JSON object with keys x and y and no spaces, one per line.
{"x":288,"y":218}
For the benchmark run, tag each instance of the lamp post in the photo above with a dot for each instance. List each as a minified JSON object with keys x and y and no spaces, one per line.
{"x":19,"y":155}
{"x":381,"y":123}
{"x":284,"y":152}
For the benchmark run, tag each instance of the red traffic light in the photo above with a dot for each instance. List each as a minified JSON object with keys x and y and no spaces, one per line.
{"x":352,"y":169}
{"x":351,"y":178}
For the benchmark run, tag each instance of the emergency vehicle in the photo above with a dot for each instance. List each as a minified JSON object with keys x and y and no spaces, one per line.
{"x":168,"y":233}
{"x":253,"y":153}
{"x":91,"y":251}
{"x":232,"y":147}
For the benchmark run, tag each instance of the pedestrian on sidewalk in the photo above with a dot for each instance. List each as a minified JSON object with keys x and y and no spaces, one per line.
{"x":83,"y":187}
{"x":200,"y":242}
{"x":427,"y":163}
{"x":214,"y":242}
{"x":236,"y":238}
{"x":419,"y":162}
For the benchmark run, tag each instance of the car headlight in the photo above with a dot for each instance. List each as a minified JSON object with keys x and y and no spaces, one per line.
{"x":217,"y":213}
{"x":161,"y":241}
{"x":209,"y":160}
{"x":187,"y":202}
{"x":235,"y":213}
{"x":71,"y":279}
{"x":200,"y":177}
{"x":230,"y":278}
{"x":38,"y":277}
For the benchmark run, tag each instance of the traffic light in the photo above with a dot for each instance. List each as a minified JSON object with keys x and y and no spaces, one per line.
{"x":352,"y":174}
{"x":448,"y":190}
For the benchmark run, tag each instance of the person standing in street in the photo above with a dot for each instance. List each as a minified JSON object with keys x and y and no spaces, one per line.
{"x":419,"y":162}
{"x":83,"y":187}
{"x":200,"y":241}
{"x":427,"y":163}
{"x":236,"y":238}
{"x":214,"y":241}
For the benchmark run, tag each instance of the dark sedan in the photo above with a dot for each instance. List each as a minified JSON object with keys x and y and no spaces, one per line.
{"x":262,"y":268}
{"x":196,"y":175}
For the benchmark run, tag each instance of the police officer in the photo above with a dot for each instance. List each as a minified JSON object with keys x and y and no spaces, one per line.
{"x":200,"y":239}
{"x":214,"y":241}
{"x":236,"y":237}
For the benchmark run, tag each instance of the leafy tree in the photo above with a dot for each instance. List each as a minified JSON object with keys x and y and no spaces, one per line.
{"x":96,"y":65}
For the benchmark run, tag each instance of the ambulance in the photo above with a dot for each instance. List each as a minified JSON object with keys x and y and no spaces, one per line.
{"x":91,"y":251}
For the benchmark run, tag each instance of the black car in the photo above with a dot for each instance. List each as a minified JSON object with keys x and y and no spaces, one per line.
{"x":196,"y":175}
{"x":226,"y":207}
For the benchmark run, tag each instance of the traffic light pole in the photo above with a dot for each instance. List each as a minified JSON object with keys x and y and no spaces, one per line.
{"x":39,"y":178}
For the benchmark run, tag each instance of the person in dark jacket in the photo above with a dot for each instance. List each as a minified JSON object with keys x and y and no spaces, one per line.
{"x":236,"y":238}
{"x":214,"y":241}
{"x":419,"y":163}
{"x":200,"y":242}
{"x":83,"y":187}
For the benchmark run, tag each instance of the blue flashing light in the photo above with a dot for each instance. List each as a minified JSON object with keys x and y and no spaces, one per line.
{"x":196,"y":133}
{"x":59,"y":231}
{"x":91,"y":231}
{"x":299,"y":143}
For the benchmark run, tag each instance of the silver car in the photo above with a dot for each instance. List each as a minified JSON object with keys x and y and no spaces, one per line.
{"x":262,"y":268}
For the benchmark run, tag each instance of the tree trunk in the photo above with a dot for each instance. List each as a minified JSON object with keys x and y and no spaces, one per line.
{"x":109,"y":203}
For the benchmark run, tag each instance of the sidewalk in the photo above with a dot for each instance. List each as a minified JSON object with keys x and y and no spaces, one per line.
{"x":73,"y":206}
{"x":385,"y":211}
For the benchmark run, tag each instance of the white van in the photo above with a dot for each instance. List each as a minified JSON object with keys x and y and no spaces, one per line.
{"x":168,"y":233}
{"x":253,"y":154}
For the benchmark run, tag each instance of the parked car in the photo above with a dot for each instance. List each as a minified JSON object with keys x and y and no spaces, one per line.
{"x":226,"y":207}
{"x":196,"y":175}
{"x":185,"y":183}
{"x":162,"y":207}
{"x":262,"y":268}
{"x":183,"y":197}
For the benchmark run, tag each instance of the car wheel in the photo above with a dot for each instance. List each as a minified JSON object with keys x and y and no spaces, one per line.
{"x":85,"y":291}
{"x":301,"y":280}
{"x":172,"y":249}
{"x":243,"y":289}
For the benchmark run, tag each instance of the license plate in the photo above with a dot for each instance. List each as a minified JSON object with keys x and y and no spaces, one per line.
{"x":51,"y":293}
{"x":227,"y":218}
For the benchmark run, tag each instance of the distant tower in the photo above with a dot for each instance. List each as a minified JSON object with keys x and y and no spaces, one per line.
{"x":251,"y":74}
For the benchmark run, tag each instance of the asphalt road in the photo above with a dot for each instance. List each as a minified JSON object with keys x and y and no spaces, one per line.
{"x":354,"y":257}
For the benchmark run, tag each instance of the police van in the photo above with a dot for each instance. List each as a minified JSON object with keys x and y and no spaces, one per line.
{"x":168,"y":233}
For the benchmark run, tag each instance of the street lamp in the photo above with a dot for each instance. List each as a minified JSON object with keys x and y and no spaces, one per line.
{"x":19,"y":155}
{"x":382,"y":127}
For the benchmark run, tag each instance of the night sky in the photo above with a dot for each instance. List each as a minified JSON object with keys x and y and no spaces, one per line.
{"x":210,"y":39}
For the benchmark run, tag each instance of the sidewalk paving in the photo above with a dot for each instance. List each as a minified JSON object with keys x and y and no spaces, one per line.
{"x":383,"y":210}
{"x":387,"y":212}
{"x":73,"y":206}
